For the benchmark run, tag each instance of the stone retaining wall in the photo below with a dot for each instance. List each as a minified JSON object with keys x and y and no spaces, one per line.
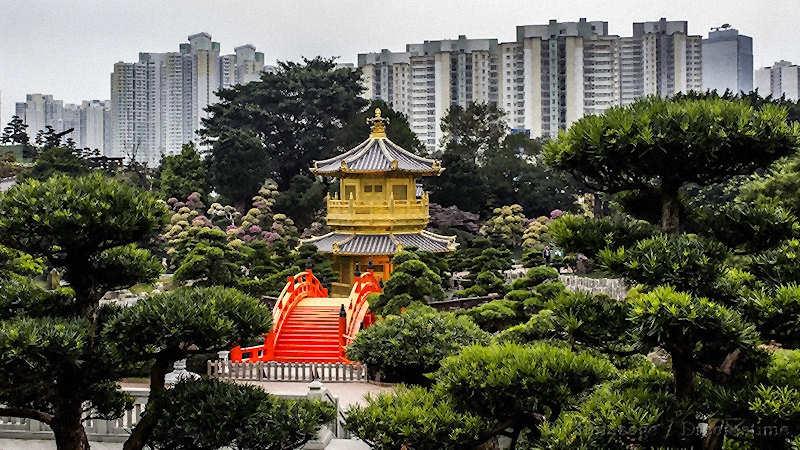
{"x":612,"y":287}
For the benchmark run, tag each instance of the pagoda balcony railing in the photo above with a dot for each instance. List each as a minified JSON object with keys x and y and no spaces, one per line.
{"x":392,"y":213}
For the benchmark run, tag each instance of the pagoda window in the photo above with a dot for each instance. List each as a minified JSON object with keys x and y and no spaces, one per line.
{"x":349,"y":191}
{"x":400,"y":192}
{"x":368,"y":188}
{"x":378,"y":188}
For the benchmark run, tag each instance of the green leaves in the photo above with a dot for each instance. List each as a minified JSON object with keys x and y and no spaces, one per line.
{"x":210,"y":414}
{"x":275,"y":127}
{"x":702,"y":333}
{"x":519,"y":384}
{"x":685,"y":261}
{"x":417,"y":418}
{"x":187,"y":320}
{"x":71,"y":221}
{"x":658,"y":145}
{"x":412,"y":280}
{"x":180,"y":175}
{"x":776,"y":314}
{"x":405,"y":347}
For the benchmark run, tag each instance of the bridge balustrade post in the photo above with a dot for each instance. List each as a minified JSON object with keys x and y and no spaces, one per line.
{"x":342,"y":330}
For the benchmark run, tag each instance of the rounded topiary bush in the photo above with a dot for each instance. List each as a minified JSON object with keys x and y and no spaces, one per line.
{"x":495,"y":315}
{"x":403,"y":348}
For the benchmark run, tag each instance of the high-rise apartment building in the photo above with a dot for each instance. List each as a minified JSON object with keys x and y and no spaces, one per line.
{"x":552,"y":75}
{"x":87,"y":120}
{"x":158,"y":104}
{"x":662,"y":59}
{"x":40,"y":111}
{"x":425,"y":80}
{"x":93,"y":124}
{"x":570,"y":69}
{"x":727,"y":60}
{"x":780,"y":79}
{"x":134,"y":107}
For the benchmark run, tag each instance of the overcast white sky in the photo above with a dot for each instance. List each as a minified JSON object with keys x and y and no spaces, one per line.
{"x":67,"y":48}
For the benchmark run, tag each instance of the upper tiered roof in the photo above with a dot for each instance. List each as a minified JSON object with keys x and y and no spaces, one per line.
{"x":376,"y":155}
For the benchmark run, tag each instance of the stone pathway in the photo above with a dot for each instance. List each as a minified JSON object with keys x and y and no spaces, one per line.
{"x":348,"y":393}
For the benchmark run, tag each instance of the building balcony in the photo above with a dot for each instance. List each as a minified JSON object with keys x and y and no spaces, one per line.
{"x":349,"y":215}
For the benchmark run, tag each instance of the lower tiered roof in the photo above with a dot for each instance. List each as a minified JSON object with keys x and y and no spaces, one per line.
{"x":381,"y":244}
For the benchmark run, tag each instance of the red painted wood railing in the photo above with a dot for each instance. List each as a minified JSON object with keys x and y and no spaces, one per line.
{"x":357,"y":312}
{"x":299,"y":287}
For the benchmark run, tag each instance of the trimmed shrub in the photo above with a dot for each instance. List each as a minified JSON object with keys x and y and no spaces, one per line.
{"x":403,"y":348}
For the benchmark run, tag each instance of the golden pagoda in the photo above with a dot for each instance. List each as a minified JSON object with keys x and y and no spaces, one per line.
{"x":378,"y":210}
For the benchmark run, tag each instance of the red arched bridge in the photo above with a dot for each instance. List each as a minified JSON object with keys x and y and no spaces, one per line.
{"x":309,"y":326}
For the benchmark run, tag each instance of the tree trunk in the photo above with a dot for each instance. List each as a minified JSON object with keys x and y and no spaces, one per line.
{"x":715,"y":435}
{"x":141,"y":432}
{"x":514,"y":438}
{"x":670,"y":210}
{"x":684,"y":378}
{"x":68,"y":428}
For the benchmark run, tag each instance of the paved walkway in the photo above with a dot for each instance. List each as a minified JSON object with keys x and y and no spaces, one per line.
{"x":348,"y":393}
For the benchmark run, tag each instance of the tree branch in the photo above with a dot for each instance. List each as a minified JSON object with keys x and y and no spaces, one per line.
{"x":27,"y":413}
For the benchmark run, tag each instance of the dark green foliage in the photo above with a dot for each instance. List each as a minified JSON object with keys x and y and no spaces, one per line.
{"x":489,"y":168}
{"x":701,"y":345}
{"x":15,"y":132}
{"x":320,"y":263}
{"x":747,"y":227}
{"x":56,"y":362}
{"x":637,"y":409}
{"x":211,"y":264}
{"x":549,"y":290}
{"x":57,"y":160}
{"x":303,"y":200}
{"x":779,"y":186}
{"x":411,"y":280}
{"x":275,"y":127}
{"x":167,"y":325}
{"x":180,"y":175}
{"x":581,"y":234}
{"x":644,"y":146}
{"x":491,"y":259}
{"x":685,"y":261}
{"x":518,"y":295}
{"x":409,"y":345}
{"x":71,"y":221}
{"x":485,"y":283}
{"x":496,"y":315}
{"x":211,"y":414}
{"x":415,"y":418}
{"x":583,"y":320}
{"x":21,"y":297}
{"x":780,"y":265}
{"x":520,"y":387}
{"x":535,"y":276}
{"x":776,"y":314}
{"x":398,"y":129}
{"x":14,"y":262}
{"x":238,"y":165}
{"x":470,"y":133}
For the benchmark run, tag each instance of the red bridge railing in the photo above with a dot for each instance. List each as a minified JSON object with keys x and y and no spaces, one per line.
{"x":299,"y":287}
{"x":357,"y":312}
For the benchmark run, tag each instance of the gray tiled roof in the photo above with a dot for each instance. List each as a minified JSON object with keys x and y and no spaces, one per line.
{"x":377,"y":155}
{"x":381,"y":244}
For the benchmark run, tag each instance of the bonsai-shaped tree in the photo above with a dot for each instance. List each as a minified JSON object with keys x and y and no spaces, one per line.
{"x":656,"y":146}
{"x":61,"y":354}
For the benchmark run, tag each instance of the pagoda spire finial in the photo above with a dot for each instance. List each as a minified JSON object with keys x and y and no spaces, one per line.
{"x":378,"y":125}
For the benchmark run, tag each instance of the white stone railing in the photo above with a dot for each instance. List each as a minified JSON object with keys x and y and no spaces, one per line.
{"x":118,"y":430}
{"x":97,"y":430}
{"x":276,"y":371}
{"x":612,"y":287}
